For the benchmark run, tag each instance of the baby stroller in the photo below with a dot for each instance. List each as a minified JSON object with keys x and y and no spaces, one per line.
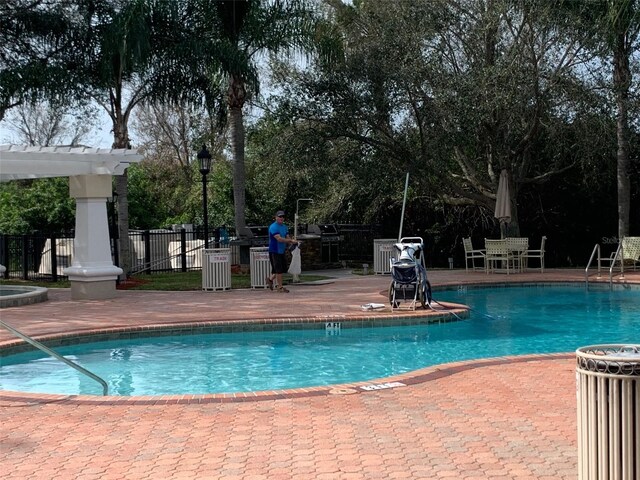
{"x":409,"y":283}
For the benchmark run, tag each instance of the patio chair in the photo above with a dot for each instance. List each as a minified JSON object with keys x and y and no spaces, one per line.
{"x":517,"y":247}
{"x":471,"y":254}
{"x":539,"y":254}
{"x":630,"y":252}
{"x":496,"y":251}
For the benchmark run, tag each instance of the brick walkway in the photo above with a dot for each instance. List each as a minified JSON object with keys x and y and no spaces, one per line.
{"x":512,"y":418}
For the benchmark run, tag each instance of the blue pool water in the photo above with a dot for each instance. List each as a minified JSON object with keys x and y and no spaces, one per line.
{"x":504,"y":321}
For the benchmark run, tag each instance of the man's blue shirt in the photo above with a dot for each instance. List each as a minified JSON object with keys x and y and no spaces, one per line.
{"x":274,"y":245}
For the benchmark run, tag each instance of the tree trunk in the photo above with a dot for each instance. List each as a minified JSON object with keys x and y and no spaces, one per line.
{"x":621,"y":82}
{"x":514,"y":225}
{"x":236,"y":98}
{"x":236,"y":126}
{"x":121,"y":140}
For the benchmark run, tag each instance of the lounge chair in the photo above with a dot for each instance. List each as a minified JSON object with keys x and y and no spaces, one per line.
{"x":539,"y":254}
{"x":496,"y":251}
{"x":471,"y":254}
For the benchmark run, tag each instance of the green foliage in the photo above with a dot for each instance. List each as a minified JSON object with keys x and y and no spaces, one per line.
{"x":452,"y":92}
{"x":43,"y":205}
{"x":40,"y":52}
{"x":220,"y":195}
{"x":163,"y":193}
{"x":156,"y":193}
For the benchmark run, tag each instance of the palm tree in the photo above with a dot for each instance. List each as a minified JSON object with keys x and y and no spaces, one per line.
{"x":616,"y":26}
{"x":249,"y":29}
{"x":119,"y":34}
{"x":142,"y":53}
{"x":38,"y":60}
{"x":624,"y":17}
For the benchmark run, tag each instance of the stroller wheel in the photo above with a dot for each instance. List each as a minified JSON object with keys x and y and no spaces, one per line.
{"x":392,"y":301}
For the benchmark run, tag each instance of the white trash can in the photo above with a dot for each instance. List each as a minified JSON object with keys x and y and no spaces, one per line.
{"x":260,"y":266}
{"x":216,"y":269}
{"x":608,"y":389}
{"x":383,"y":251}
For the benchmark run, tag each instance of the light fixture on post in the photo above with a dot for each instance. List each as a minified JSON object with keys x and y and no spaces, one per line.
{"x":204,"y":160}
{"x":295,"y":220}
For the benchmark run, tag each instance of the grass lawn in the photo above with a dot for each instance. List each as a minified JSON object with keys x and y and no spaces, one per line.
{"x":193,"y":281}
{"x":171,"y":281}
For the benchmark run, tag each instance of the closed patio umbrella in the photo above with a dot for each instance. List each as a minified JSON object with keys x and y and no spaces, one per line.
{"x":503,"y":202}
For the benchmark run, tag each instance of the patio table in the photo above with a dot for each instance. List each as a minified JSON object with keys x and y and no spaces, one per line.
{"x":517,"y":247}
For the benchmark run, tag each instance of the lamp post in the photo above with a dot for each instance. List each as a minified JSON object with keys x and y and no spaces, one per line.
{"x":295,"y":220}
{"x":204,"y":159}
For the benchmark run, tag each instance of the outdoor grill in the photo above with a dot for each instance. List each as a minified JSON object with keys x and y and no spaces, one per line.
{"x":258,"y":235}
{"x":254,"y":236}
{"x":330,"y":238}
{"x":327,"y":231}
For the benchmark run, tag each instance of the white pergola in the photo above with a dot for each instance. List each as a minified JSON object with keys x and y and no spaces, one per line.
{"x":92,"y":272}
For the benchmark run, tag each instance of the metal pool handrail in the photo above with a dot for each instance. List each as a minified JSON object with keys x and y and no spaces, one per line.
{"x":596,"y":251}
{"x":618,"y":255}
{"x":38,"y":345}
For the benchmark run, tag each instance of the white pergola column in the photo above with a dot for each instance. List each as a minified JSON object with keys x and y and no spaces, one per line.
{"x":92,"y":272}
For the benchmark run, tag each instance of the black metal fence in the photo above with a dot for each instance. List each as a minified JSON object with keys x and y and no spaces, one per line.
{"x":41,"y":257}
{"x":356,"y":242}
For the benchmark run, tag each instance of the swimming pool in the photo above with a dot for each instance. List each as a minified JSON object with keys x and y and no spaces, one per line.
{"x":504,"y":321}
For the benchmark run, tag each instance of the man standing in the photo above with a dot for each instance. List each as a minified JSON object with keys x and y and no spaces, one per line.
{"x":278,"y":240}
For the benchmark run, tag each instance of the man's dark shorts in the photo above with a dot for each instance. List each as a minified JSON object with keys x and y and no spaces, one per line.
{"x":278,"y":262}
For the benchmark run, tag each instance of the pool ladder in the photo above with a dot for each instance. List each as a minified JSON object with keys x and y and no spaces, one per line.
{"x":38,"y":345}
{"x":595,"y":255}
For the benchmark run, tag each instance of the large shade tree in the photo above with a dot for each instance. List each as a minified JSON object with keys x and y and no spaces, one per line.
{"x":455,"y":92}
{"x":41,"y":44}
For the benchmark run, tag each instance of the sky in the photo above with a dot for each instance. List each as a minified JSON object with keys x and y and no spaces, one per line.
{"x":101,"y":136}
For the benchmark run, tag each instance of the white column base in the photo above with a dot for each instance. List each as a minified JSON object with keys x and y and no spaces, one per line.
{"x":101,"y":290}
{"x":93,"y":283}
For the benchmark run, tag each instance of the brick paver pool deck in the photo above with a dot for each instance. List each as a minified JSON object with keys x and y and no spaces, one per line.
{"x":506,"y":418}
